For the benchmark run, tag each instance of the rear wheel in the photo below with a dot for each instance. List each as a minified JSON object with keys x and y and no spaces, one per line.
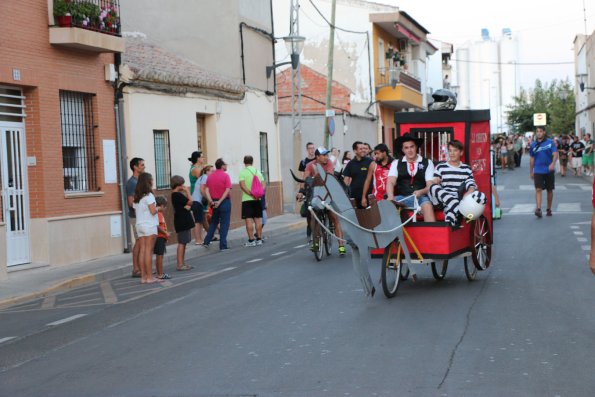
{"x":391,"y":270}
{"x":481,"y":250}
{"x":470,"y":270}
{"x":439,"y":271}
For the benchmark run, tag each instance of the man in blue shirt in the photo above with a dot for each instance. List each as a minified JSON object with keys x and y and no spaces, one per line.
{"x":544,"y":155}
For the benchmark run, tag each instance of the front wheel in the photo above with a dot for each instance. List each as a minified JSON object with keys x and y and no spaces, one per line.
{"x":470,"y":270}
{"x":481,"y":240}
{"x":390,"y":274}
{"x":439,"y":273}
{"x":328,"y":238}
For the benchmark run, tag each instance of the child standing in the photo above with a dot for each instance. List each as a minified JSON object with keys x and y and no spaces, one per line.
{"x":183,"y":220}
{"x":162,"y":237}
{"x":146,"y":225}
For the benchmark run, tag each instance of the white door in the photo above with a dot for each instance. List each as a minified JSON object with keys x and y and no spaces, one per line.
{"x":15,"y":194}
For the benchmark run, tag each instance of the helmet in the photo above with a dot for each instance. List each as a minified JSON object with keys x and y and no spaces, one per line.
{"x":443,"y":100}
{"x":472,"y":205}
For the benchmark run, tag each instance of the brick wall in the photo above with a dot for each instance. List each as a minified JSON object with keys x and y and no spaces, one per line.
{"x":313,"y":93}
{"x":45,"y":70}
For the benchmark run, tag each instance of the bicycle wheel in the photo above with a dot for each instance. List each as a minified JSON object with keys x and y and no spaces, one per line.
{"x":328,"y":238}
{"x":470,"y":269}
{"x":481,"y":250}
{"x":318,"y":240}
{"x":439,"y":274}
{"x":390,"y":274}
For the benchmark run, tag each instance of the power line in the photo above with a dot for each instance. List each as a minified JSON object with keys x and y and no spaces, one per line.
{"x":334,"y":26}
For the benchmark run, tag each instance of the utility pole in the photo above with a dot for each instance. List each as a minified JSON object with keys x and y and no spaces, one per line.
{"x":296,"y":90}
{"x":329,"y":78}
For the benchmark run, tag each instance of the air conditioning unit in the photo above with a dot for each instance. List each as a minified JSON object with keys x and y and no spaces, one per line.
{"x":110,"y":72}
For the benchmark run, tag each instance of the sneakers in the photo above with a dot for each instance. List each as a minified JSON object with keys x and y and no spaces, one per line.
{"x":548,"y":212}
{"x":314,"y":247}
{"x":342,"y":250}
{"x":538,"y":213}
{"x":250,"y":243}
{"x":258,"y":242}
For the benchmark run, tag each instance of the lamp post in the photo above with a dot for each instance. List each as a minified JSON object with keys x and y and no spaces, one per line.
{"x":295,"y":45}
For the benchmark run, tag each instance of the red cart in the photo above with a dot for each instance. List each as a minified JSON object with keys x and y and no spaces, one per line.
{"x":435,"y":243}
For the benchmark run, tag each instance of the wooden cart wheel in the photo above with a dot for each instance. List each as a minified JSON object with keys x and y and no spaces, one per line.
{"x":390,"y":274}
{"x":439,"y":274}
{"x":470,"y":270}
{"x":481,"y":240}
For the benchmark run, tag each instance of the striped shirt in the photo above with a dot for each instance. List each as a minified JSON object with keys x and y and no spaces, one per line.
{"x":452,"y":177}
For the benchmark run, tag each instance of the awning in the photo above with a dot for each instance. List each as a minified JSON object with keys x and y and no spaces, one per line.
{"x":406,"y":32}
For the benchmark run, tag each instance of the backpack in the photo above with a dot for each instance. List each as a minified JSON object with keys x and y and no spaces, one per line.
{"x":256,"y":190}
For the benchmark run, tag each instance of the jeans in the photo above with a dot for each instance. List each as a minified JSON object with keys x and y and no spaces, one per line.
{"x":221,"y":215}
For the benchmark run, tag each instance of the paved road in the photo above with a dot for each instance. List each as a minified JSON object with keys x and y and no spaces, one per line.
{"x":270,"y":321}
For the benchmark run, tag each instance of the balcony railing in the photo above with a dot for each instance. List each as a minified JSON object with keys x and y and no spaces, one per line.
{"x":394,"y":76}
{"x":97,"y":15}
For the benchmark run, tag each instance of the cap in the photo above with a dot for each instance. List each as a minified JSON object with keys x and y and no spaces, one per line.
{"x":219,"y":163}
{"x":321,"y":150}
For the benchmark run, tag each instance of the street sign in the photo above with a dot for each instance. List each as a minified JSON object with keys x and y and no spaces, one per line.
{"x":331,"y":125}
{"x":330,"y":112}
{"x":539,"y":119}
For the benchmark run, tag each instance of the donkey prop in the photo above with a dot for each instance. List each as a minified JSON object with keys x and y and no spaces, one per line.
{"x":381,"y":221}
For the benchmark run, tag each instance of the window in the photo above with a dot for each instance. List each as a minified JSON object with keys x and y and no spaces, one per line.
{"x":264,"y":156}
{"x":78,"y":142}
{"x":381,"y":56}
{"x":162,"y":159}
{"x":201,"y":136}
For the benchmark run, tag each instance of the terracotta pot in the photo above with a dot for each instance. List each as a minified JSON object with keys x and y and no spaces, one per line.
{"x":64,"y":21}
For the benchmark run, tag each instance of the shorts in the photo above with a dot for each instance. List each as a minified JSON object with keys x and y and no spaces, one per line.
{"x":588,"y":160}
{"x":184,"y":236}
{"x":409,"y":201}
{"x":160,"y":246}
{"x":133,"y":224}
{"x":145,"y":230}
{"x":577,"y":162}
{"x":544,"y":181}
{"x":564,"y":161}
{"x":198,"y":211}
{"x":251,"y":209}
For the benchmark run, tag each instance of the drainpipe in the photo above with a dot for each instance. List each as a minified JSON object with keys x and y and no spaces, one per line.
{"x":122,"y":168}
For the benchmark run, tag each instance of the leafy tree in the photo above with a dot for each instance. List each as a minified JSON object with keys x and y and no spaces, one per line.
{"x":556,"y":100}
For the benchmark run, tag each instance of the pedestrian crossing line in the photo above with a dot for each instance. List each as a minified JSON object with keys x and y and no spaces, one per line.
{"x":586,"y":187}
{"x":6,"y":339}
{"x":279,"y":253}
{"x":586,"y":247}
{"x":581,"y":239}
{"x":49,"y":302}
{"x":578,"y":233}
{"x":575,"y":227}
{"x":78,"y":296}
{"x":65,"y":320}
{"x":254,"y":260}
{"x":87,"y":302}
{"x":568,"y":207}
{"x":139,"y":291}
{"x":109,"y":295}
{"x":301,"y":246}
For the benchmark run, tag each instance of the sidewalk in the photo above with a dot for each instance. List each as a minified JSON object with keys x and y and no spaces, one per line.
{"x":29,"y":282}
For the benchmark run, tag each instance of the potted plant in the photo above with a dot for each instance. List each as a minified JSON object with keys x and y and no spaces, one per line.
{"x":109,"y":20}
{"x":62,"y":9}
{"x":86,"y":14}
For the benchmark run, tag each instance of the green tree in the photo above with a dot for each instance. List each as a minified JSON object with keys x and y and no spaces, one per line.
{"x":556,"y":100}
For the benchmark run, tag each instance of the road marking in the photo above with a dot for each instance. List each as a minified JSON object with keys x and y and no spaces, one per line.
{"x":301,"y":246}
{"x":109,"y":295}
{"x":522,"y":208}
{"x":48,"y":302}
{"x":578,"y":233}
{"x":582,"y":223}
{"x":65,"y":320}
{"x":526,"y":187}
{"x":574,"y":227}
{"x":586,"y":187}
{"x":568,"y":207}
{"x":278,"y":253}
{"x":586,"y":247}
{"x":7,"y":339}
{"x":254,"y":260}
{"x":581,"y":239}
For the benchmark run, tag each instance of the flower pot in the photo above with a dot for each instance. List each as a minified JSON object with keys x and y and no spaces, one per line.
{"x":64,"y":21}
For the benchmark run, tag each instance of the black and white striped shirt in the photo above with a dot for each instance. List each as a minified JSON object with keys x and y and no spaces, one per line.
{"x":452,"y":177}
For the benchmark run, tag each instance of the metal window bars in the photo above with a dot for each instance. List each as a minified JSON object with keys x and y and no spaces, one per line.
{"x":78,"y":142}
{"x":162,"y":159}
{"x":264,"y":156}
{"x":434,"y":142}
{"x":12,"y":106}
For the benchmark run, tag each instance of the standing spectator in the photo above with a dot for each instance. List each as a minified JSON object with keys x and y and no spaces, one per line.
{"x":563,"y":150}
{"x":346,"y":159}
{"x":511,"y":153}
{"x":378,"y":173}
{"x":334,"y":157}
{"x":588,"y":156}
{"x":310,"y":157}
{"x":503,"y":154}
{"x":543,"y":160}
{"x":251,"y":206}
{"x":201,"y":185}
{"x":137,"y":166}
{"x":195,"y":168}
{"x":198,"y":208}
{"x":146,"y":225}
{"x":576,"y":151}
{"x":162,"y":237}
{"x":369,"y":152}
{"x":518,"y":149}
{"x":218,"y":189}
{"x":183,"y":220}
{"x":356,"y":171}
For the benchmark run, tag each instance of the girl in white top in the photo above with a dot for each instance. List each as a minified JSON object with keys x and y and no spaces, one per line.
{"x":146,"y":225}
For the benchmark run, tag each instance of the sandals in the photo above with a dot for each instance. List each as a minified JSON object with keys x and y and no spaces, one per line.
{"x":184,"y":267}
{"x":164,"y":276}
{"x":136,"y":275}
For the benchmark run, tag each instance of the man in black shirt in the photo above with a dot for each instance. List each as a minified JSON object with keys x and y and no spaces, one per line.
{"x":311,"y":157}
{"x":576,"y":151}
{"x":356,"y":171}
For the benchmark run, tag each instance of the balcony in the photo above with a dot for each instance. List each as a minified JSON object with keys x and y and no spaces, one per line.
{"x":90,"y":25}
{"x":398,"y":89}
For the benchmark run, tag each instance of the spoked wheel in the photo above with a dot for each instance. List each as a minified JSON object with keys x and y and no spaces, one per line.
{"x":390,"y":274}
{"x":470,"y":270}
{"x":328,"y":239}
{"x":481,"y":250}
{"x":439,"y":271}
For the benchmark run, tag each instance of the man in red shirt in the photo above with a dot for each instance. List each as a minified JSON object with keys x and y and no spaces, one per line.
{"x":378,"y":172}
{"x":217,"y":191}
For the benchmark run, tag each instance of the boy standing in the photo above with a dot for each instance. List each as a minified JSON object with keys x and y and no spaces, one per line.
{"x":162,"y":237}
{"x":183,"y":220}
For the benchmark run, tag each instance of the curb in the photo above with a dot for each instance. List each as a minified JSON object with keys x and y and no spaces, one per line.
{"x":123,"y":269}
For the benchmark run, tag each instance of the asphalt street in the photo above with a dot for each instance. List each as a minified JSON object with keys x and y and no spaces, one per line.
{"x":271,"y":321}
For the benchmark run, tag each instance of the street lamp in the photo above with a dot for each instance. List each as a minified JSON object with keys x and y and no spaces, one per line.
{"x":564,"y":95}
{"x":583,"y":87}
{"x":295,"y":45}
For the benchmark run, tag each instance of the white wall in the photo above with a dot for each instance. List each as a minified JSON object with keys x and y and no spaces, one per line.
{"x":233,"y":129}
